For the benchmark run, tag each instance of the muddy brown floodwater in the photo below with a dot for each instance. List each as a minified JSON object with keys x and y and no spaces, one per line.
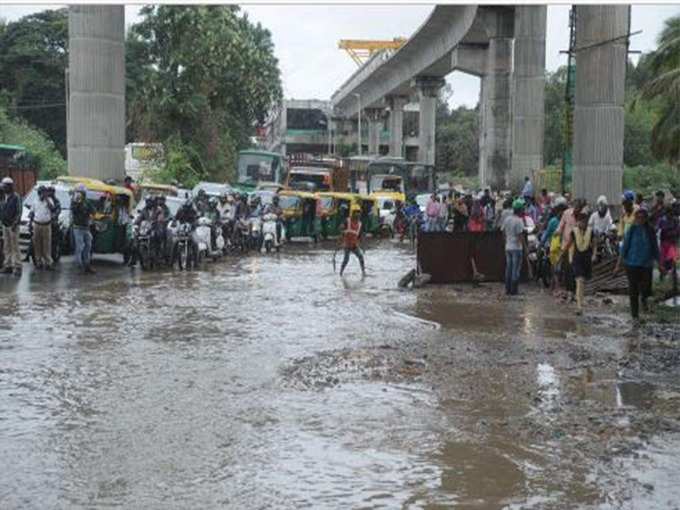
{"x":269,"y":382}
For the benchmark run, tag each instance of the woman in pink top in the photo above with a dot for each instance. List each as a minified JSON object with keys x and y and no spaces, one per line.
{"x":432,"y":213}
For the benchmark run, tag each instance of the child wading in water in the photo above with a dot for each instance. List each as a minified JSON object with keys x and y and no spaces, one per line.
{"x":350,"y":240}
{"x":582,"y":247}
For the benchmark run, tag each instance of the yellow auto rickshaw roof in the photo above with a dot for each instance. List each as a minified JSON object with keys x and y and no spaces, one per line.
{"x":340,"y":195}
{"x":97,"y":185}
{"x":301,"y":194}
{"x":395,"y":195}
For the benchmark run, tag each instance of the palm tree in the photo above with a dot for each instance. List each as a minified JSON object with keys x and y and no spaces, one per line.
{"x":664,"y":88}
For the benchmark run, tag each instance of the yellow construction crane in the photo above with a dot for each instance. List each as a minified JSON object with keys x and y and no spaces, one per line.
{"x":361,"y":49}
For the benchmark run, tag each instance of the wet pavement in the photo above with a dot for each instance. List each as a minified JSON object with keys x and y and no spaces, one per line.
{"x":270,"y":382}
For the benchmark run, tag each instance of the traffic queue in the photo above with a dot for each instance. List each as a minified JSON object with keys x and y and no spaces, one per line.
{"x":155,"y":226}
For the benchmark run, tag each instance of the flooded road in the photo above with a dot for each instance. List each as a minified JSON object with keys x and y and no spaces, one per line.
{"x":270,"y":382}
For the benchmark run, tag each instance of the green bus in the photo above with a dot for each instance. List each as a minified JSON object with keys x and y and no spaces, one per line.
{"x":256,"y":166}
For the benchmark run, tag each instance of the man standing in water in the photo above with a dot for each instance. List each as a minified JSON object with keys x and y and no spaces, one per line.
{"x":350,"y":240}
{"x":515,"y":242}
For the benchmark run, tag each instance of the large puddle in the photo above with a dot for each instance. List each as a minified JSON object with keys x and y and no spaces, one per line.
{"x":174,"y":390}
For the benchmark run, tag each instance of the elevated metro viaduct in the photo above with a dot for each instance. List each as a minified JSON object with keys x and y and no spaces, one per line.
{"x":505,"y":47}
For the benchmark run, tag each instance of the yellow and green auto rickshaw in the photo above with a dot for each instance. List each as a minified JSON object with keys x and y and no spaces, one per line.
{"x":299,"y":212}
{"x":370,"y":214}
{"x":334,"y":209}
{"x":114,"y":206}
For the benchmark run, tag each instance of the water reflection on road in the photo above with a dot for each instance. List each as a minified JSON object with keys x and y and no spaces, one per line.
{"x":165,"y":390}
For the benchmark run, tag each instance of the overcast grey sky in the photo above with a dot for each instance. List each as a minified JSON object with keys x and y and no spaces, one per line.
{"x":306,"y":39}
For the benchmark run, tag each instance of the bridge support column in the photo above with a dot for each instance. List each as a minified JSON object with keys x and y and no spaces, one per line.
{"x":428,"y":91}
{"x":528,"y":93}
{"x":495,"y":142}
{"x":396,"y":104}
{"x":601,"y":53}
{"x":375,"y":124}
{"x":96,"y":116}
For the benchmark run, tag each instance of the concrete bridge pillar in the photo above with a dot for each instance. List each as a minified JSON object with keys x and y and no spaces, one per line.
{"x":375,"y":125}
{"x":96,"y":116}
{"x":396,"y":104}
{"x":528,"y":93}
{"x":428,"y":91}
{"x":495,"y":142}
{"x":601,"y":53}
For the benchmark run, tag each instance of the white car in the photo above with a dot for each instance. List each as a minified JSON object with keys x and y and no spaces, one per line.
{"x":387,"y":212}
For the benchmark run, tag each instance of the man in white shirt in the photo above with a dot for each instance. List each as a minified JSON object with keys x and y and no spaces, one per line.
{"x":42,"y":229}
{"x":600,"y":221}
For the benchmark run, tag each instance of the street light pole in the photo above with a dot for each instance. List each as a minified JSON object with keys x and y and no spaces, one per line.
{"x":358,"y":96}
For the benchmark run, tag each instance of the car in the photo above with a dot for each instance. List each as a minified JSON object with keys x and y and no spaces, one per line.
{"x":212,"y":189}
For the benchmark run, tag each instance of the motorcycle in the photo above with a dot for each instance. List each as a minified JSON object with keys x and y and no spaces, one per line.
{"x":202,"y":237}
{"x":143,"y":251}
{"x":269,"y":236}
{"x":240,"y":236}
{"x":183,"y":248}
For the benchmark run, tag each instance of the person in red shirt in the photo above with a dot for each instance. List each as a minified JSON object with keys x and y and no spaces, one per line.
{"x":351,"y":235}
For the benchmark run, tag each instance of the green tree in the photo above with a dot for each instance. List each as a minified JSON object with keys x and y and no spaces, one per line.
{"x":203,"y":76}
{"x":33,"y":59}
{"x":554,"y":136}
{"x":457,"y":132}
{"x":663,"y":86}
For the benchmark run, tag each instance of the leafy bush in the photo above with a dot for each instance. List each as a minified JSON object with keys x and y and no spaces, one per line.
{"x":649,"y":178}
{"x":42,"y":151}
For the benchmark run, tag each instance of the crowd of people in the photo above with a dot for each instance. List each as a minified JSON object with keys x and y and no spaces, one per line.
{"x":574,"y":236}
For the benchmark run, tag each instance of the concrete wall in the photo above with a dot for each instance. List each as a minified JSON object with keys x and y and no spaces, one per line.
{"x":96,"y":117}
{"x":599,"y":113}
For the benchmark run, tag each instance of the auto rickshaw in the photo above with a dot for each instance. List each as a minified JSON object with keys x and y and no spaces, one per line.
{"x":370,"y":215}
{"x":299,"y":212}
{"x":334,"y":210}
{"x":114,"y":206}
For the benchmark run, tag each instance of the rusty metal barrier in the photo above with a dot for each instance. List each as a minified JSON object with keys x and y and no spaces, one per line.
{"x":447,"y":255}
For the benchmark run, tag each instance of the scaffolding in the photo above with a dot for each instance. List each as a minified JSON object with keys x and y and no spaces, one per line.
{"x":361,"y":50}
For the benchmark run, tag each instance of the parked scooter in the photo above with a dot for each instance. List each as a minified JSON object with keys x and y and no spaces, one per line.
{"x":269,"y":237}
{"x":203,"y":239}
{"x":255,"y":228}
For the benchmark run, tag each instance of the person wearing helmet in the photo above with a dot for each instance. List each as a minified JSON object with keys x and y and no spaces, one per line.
{"x":638,"y":254}
{"x":351,"y":236}
{"x":553,"y":221}
{"x":600,"y":221}
{"x":82,"y":212}
{"x":515,"y":244}
{"x":187,"y":213}
{"x":148,"y":212}
{"x":201,"y":202}
{"x":627,"y":217}
{"x":10,"y":216}
{"x":41,"y":215}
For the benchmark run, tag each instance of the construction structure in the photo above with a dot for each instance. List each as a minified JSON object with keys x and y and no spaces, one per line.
{"x":96,"y":85}
{"x":360,"y":50}
{"x":505,"y":47}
